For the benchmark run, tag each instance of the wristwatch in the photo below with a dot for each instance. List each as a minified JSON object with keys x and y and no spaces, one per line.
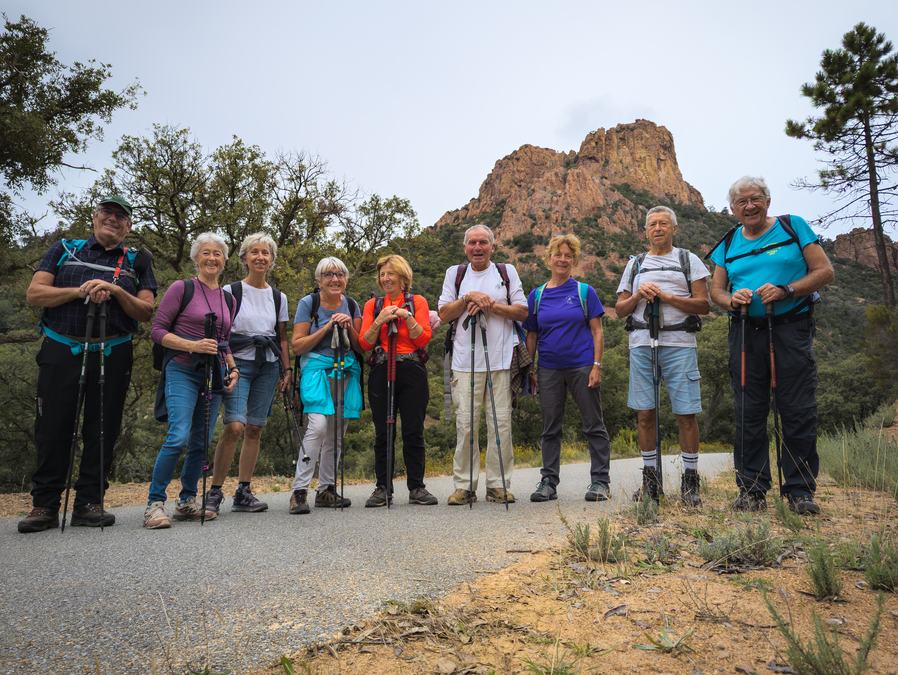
{"x":788,"y":289}
{"x":597,"y":363}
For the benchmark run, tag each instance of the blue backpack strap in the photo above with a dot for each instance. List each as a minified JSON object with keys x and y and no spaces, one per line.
{"x":537,"y":299}
{"x":69,"y":248}
{"x":583,"y":291}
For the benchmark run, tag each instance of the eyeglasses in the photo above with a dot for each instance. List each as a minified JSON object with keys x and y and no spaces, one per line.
{"x":115,"y":213}
{"x":754,"y":200}
{"x":333,"y":274}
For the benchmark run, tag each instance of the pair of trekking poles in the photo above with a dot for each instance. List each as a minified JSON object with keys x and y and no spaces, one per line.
{"x":340,"y":346}
{"x":94,"y":311}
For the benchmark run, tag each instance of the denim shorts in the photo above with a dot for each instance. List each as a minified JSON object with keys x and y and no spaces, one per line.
{"x":679,"y":371}
{"x":250,"y":402}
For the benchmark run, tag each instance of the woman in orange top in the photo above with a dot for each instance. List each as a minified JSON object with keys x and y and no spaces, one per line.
{"x":394,"y":276}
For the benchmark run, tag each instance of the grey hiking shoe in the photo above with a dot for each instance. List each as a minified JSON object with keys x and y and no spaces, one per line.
{"x":803,"y":505}
{"x":214,"y":498}
{"x":750,"y":501}
{"x":598,"y":492}
{"x":689,"y":489}
{"x":329,"y":499}
{"x":298,"y":503}
{"x":544,"y":491}
{"x":378,"y":498}
{"x":245,"y":501}
{"x":651,"y":487}
{"x":421,"y":496}
{"x":188,"y":509}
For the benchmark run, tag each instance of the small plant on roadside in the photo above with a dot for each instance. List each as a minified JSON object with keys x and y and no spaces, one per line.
{"x":823,"y":573}
{"x":787,"y":517}
{"x":882,"y":565}
{"x":823,"y":655}
{"x":747,"y":546}
{"x":559,"y":665}
{"x":850,"y":555}
{"x":579,"y":537}
{"x":659,"y":549}
{"x":666,"y":642}
{"x":645,"y":511}
{"x":610,"y":546}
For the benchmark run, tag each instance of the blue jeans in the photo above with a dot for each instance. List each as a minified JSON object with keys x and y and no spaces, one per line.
{"x":186,"y":413}
{"x":250,"y":402}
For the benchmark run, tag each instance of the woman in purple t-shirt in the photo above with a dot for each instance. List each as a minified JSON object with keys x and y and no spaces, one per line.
{"x":180,"y":329}
{"x":564,"y":325}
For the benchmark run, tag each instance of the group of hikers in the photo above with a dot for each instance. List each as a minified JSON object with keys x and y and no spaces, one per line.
{"x":228,"y":346}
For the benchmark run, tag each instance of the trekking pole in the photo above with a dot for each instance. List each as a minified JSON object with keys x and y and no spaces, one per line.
{"x":776,"y":423}
{"x":208,"y":332}
{"x":471,"y":324}
{"x":102,"y":382}
{"x":743,"y":320}
{"x":346,"y":345}
{"x":293,"y":426}
{"x":654,"y":330}
{"x":489,"y":384}
{"x":391,"y":405}
{"x":82,"y":382}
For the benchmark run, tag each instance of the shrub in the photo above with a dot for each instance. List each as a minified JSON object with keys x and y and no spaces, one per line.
{"x":750,"y":545}
{"x":823,"y":573}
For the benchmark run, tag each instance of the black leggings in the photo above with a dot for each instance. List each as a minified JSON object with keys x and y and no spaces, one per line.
{"x":411,"y":396}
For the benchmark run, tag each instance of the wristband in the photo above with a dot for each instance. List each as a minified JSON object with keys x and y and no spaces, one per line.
{"x":597,"y":363}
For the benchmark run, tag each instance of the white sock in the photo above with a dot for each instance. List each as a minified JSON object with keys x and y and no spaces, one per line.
{"x":690,"y":460}
{"x":649,"y":458}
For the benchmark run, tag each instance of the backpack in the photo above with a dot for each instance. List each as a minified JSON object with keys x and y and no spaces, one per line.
{"x":460,"y":272}
{"x":582,"y":291}
{"x":186,"y":297}
{"x":786,"y":221}
{"x":692,"y":323}
{"x":237,"y":292}
{"x":71,"y":248}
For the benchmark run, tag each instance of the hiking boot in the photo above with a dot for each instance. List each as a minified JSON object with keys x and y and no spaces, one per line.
{"x":39,"y":519}
{"x":803,"y":505}
{"x":298,"y":503}
{"x":689,"y":489}
{"x":750,"y":501}
{"x":378,"y":498}
{"x":190,"y":510}
{"x":598,"y":492}
{"x":499,"y":495}
{"x":544,"y":491}
{"x":421,"y":496}
{"x":461,"y":497}
{"x":91,"y":515}
{"x":214,"y":498}
{"x":155,"y":517}
{"x":329,"y":499}
{"x":650,"y":485}
{"x":245,"y":501}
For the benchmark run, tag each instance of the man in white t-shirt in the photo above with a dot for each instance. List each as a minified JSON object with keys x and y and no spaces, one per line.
{"x":678,"y":279}
{"x":479,"y":288}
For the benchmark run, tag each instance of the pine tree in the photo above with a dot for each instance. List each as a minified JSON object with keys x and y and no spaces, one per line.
{"x":857,"y":90}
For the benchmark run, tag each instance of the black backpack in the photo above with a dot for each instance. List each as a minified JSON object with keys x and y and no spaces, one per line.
{"x":692,"y":323}
{"x":186,"y":297}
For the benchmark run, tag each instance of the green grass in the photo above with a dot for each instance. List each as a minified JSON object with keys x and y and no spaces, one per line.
{"x":748,"y":545}
{"x":864,"y":457}
{"x":881,"y":565}
{"x":823,"y":572}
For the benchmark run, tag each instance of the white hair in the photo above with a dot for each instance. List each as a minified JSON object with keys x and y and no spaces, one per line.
{"x":207,"y":238}
{"x":330,"y":263}
{"x":485,"y":228}
{"x":661,"y":209}
{"x":255,"y":239}
{"x":745,"y":183}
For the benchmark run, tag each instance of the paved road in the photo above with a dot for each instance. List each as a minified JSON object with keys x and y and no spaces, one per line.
{"x":247,"y":588}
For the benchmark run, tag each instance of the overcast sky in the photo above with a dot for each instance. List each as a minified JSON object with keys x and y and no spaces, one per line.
{"x":419,"y":99}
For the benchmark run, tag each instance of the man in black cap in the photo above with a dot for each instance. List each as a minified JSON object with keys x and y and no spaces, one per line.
{"x":70,"y":276}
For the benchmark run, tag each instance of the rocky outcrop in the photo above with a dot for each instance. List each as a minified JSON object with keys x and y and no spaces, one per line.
{"x":859,"y":245}
{"x":600,"y":190}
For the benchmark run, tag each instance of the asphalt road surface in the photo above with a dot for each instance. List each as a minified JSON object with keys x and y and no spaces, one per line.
{"x":241,"y":591}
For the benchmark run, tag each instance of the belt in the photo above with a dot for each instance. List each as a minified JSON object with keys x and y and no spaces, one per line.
{"x":93,"y":344}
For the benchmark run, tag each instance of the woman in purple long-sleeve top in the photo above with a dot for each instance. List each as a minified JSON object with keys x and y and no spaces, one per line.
{"x":181,"y":332}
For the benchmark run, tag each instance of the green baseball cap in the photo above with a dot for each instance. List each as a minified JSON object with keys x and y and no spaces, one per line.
{"x":119,"y":200}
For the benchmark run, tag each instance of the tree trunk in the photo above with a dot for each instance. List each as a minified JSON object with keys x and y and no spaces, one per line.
{"x":885,"y":270}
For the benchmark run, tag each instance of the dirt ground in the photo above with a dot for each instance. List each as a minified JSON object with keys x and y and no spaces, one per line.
{"x":555,"y":611}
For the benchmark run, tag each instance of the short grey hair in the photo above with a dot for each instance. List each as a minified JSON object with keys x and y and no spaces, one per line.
{"x":255,"y":239}
{"x":485,"y":228}
{"x":745,"y":183}
{"x":661,"y":209}
{"x":330,"y":263}
{"x":207,"y":238}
